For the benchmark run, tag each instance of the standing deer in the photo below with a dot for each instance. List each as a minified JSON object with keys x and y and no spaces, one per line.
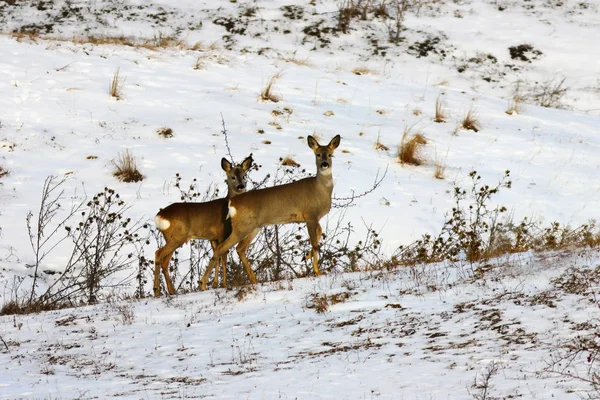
{"x":180,"y":222}
{"x":306,"y":200}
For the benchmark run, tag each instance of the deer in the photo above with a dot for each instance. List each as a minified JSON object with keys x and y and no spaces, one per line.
{"x":306,"y":200}
{"x":181,"y":222}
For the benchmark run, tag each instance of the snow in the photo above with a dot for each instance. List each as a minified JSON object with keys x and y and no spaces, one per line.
{"x":395,"y":337}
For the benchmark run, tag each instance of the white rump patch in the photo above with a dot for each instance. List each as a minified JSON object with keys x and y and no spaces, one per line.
{"x":161,"y":223}
{"x":232,"y":210}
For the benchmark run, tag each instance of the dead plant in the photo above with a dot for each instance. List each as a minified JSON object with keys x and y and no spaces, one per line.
{"x":440,"y":115}
{"x":471,"y":122}
{"x":126,"y":168}
{"x":410,"y":148}
{"x":165,"y":132}
{"x":115,"y":88}
{"x":439,"y":168}
{"x":267,"y":93}
{"x":380,"y":146}
{"x":289,"y":162}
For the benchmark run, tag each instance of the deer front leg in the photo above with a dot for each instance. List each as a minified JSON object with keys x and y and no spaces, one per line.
{"x":234,"y":238}
{"x":241,"y":249}
{"x":315,"y":231}
{"x":214,"y":244}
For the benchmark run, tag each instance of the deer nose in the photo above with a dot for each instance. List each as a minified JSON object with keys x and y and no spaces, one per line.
{"x":324,"y":164}
{"x":241,"y":187}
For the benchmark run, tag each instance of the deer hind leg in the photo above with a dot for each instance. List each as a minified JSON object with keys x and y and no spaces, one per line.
{"x":161,"y":261}
{"x":234,"y":238}
{"x":315,"y":232}
{"x":241,"y":249}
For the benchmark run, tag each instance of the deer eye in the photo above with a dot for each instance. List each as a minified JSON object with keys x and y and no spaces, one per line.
{"x":233,"y":178}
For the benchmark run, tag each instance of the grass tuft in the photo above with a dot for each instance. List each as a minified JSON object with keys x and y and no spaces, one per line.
{"x":289,"y":162}
{"x":126,"y":168}
{"x":440,"y":115}
{"x":116,"y":86}
{"x":267,"y":93}
{"x":410,"y":148}
{"x":471,"y":122}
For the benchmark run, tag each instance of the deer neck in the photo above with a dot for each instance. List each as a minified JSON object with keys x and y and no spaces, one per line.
{"x":324,"y":180}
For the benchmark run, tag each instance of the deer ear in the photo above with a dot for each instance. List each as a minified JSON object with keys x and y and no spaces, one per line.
{"x":247,"y":163}
{"x":226,"y":165}
{"x":312,"y":143}
{"x":335,"y":142}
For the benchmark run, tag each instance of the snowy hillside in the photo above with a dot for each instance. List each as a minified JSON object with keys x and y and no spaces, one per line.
{"x":426,"y":332}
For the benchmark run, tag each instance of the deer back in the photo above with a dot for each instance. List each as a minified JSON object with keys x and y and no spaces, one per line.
{"x":307,"y":199}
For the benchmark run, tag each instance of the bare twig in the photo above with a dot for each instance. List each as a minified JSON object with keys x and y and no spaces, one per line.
{"x":340,"y":202}
{"x":224,"y":132}
{"x":5,"y":345}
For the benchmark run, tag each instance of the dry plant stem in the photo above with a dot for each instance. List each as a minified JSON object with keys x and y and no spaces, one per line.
{"x":267,"y":94}
{"x":471,"y":122}
{"x":116,"y":86}
{"x":340,"y":202}
{"x":439,"y":111}
{"x":43,"y":241}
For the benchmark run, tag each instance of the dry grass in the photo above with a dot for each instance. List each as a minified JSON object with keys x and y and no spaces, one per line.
{"x":328,"y":113}
{"x":515,"y":103}
{"x":115,"y":88}
{"x":3,"y":172}
{"x":439,"y":168}
{"x":363,"y":71}
{"x":440,"y":115}
{"x":380,"y":146}
{"x":471,"y":122}
{"x":409,"y":150}
{"x":159,"y":41}
{"x":417,"y":112}
{"x":289,"y":162}
{"x":126,"y":168}
{"x":206,"y":58}
{"x":165,"y":132}
{"x":304,"y":62}
{"x":267,"y":93}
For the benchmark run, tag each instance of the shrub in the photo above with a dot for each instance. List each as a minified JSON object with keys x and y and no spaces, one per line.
{"x":475,"y":230}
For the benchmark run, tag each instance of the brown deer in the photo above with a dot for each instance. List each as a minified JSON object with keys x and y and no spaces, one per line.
{"x":306,"y":200}
{"x":180,"y":222}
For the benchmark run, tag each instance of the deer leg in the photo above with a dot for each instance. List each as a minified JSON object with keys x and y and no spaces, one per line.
{"x":241,"y":249}
{"x":161,"y":260}
{"x":233,"y":239}
{"x":224,"y":264}
{"x":214,"y":244}
{"x":315,"y":231}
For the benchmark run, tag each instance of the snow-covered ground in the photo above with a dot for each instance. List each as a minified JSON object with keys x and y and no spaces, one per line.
{"x":381,"y":336}
{"x":55,"y":113}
